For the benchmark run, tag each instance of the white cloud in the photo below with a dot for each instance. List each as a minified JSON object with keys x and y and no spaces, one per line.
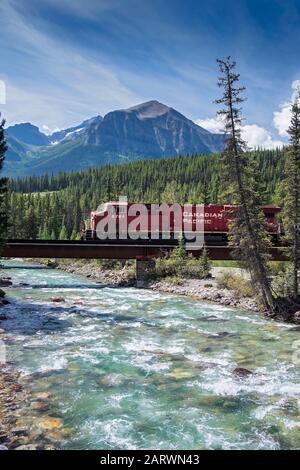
{"x":49,"y":130}
{"x":215,"y":124}
{"x":255,"y":136}
{"x":282,"y":118}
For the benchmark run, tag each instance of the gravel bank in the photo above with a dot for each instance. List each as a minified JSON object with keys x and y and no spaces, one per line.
{"x":205,"y":290}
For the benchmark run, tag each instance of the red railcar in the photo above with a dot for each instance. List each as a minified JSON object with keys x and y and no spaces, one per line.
{"x":213,"y":220}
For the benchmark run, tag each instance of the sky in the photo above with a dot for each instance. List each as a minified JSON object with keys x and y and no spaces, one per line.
{"x":63,"y":61}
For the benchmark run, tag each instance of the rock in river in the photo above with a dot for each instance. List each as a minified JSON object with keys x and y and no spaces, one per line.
{"x":50,"y":423}
{"x":2,"y":293}
{"x":4,"y":282}
{"x":242,"y":372}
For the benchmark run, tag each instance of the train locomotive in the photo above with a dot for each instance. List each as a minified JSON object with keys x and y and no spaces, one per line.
{"x":216,"y":220}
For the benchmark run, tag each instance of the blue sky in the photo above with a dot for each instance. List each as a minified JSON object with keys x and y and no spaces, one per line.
{"x":63,"y":61}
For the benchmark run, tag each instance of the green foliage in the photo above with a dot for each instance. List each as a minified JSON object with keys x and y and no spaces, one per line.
{"x":174,"y":280}
{"x":68,"y":198}
{"x":225,"y":264}
{"x":247,"y":231}
{"x":205,"y":264}
{"x":282,"y":282}
{"x":186,"y":267}
{"x":291,"y":188}
{"x":3,"y":189}
{"x":241,"y":286}
{"x":63,"y":233}
{"x":179,"y":252}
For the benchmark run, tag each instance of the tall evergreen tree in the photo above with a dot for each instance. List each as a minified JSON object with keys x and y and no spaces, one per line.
{"x":3,"y":189}
{"x":291,"y":187}
{"x":247,"y":231}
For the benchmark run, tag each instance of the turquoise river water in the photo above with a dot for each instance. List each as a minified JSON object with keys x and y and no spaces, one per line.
{"x":134,"y":369}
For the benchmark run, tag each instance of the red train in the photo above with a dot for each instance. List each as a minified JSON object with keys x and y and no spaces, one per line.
{"x":216,"y":220}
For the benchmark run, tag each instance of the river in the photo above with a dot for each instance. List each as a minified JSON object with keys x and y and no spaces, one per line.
{"x":133,"y":369}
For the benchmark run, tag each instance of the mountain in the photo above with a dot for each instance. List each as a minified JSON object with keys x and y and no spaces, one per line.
{"x":28,"y":134}
{"x":151,"y":129}
{"x":148,"y":130}
{"x":73,"y":133}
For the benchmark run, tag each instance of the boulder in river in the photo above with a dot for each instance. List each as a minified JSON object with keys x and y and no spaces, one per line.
{"x":42,"y":396}
{"x":50,"y":423}
{"x":180,"y":374}
{"x":212,"y":318}
{"x":57,"y":299}
{"x":297,"y":317}
{"x":39,"y":406}
{"x":52,"y":264}
{"x":4,"y":282}
{"x":242,"y":372}
{"x":112,"y":380}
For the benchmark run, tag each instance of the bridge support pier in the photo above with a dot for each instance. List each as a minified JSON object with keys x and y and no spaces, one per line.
{"x":143,"y":268}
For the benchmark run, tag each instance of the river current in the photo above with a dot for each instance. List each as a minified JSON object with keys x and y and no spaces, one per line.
{"x":124,"y":368}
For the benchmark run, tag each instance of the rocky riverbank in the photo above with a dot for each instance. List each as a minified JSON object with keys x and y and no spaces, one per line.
{"x":12,"y":397}
{"x":113,"y":274}
{"x":208,"y":291}
{"x":16,"y":404}
{"x":123,"y":275}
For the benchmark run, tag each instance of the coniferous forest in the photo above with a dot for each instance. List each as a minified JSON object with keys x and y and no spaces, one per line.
{"x":52,"y":207}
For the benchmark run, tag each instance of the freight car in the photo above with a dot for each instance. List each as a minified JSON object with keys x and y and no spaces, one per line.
{"x":216,"y":220}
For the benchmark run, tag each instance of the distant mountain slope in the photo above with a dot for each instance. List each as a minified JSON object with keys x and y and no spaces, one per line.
{"x":152,"y":129}
{"x":148,"y":130}
{"x":28,"y":134}
{"x":73,"y":132}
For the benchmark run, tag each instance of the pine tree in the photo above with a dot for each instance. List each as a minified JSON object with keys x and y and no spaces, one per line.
{"x":291,"y":187}
{"x":180,"y":251}
{"x":44,"y":234}
{"x":30,"y":223}
{"x":63,"y":233}
{"x":247,"y":231}
{"x":3,"y":189}
{"x":205,"y":263}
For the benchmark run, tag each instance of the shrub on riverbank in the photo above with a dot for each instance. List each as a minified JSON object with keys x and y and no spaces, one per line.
{"x":182,"y":267}
{"x":242,"y":287}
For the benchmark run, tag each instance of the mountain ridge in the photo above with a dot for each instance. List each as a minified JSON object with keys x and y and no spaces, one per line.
{"x":147,"y":130}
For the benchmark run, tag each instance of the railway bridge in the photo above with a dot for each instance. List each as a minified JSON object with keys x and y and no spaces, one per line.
{"x":140,"y":250}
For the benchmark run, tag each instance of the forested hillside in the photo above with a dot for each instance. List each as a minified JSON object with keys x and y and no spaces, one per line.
{"x":54,"y":206}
